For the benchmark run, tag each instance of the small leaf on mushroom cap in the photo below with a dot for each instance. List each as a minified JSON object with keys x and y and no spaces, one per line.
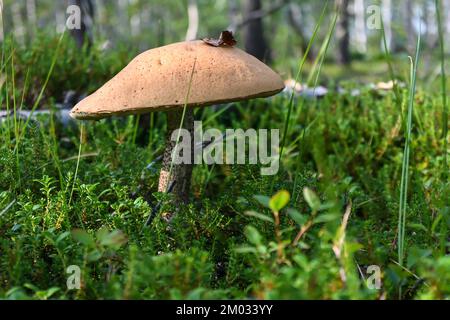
{"x":225,"y":39}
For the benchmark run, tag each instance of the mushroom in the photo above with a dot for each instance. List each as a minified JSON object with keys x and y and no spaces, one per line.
{"x":159,"y":80}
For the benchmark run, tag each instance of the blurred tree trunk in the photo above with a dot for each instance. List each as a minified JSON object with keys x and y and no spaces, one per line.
{"x":60,"y":16}
{"x":386,"y":13}
{"x":295,"y":16}
{"x":397,"y":44}
{"x":233,"y":13}
{"x":2,"y":31}
{"x":446,"y":9}
{"x":343,"y":33}
{"x":431,"y":36}
{"x":255,"y":44}
{"x":191,"y":33}
{"x":123,"y":20}
{"x":408,"y":24}
{"x":84,"y":34}
{"x":360,"y":26}
{"x":18,"y":24}
{"x":135,"y":24}
{"x":31,"y":17}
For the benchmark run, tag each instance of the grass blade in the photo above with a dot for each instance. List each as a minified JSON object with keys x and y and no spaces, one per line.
{"x":444,"y":90}
{"x":444,"y":228}
{"x":297,"y":78}
{"x":406,"y":155}
{"x":38,"y":100}
{"x":78,"y":161}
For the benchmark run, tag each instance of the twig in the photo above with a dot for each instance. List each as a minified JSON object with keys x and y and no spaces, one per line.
{"x":25,"y":114}
{"x":7,"y":207}
{"x":303,"y":230}
{"x":338,"y":244}
{"x":156,"y":160}
{"x":410,"y":272}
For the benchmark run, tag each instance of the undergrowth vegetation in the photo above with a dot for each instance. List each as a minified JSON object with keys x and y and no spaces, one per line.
{"x":312,"y":231}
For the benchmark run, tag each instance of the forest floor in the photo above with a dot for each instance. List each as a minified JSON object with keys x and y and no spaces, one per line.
{"x":66,"y":201}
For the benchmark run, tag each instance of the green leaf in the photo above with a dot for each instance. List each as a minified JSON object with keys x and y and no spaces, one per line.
{"x":259,"y":216}
{"x":253,"y":235}
{"x":299,"y":218}
{"x":416,"y":255}
{"x":114,"y":239}
{"x":417,"y":226}
{"x":31,"y":287}
{"x":301,"y":261}
{"x":327,"y":217}
{"x":52,"y":291}
{"x":83,"y":237}
{"x":195,"y":294}
{"x":94,"y":255}
{"x":311,"y":198}
{"x":245,"y":249}
{"x":101,"y":233}
{"x":44,"y":295}
{"x":263,"y":200}
{"x":279,"y":200}
{"x":62,"y":236}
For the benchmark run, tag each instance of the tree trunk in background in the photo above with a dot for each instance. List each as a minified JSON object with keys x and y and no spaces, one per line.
{"x":135,"y":24}
{"x":431,"y":37}
{"x":360,"y":26}
{"x":446,"y":16}
{"x":408,"y":24}
{"x":100,"y":12}
{"x":123,"y":20}
{"x":397,"y":16}
{"x":19,"y":28}
{"x":60,"y":16}
{"x":31,"y":17}
{"x":191,"y":33}
{"x":84,"y":34}
{"x":2,"y":32}
{"x":233,"y":13}
{"x":343,"y":33}
{"x":255,"y":44}
{"x":295,"y":16}
{"x":386,"y":13}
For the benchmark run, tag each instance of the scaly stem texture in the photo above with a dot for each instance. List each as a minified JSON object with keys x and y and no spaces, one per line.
{"x":178,"y":175}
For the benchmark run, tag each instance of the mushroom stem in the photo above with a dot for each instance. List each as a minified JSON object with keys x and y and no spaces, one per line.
{"x":180,"y":174}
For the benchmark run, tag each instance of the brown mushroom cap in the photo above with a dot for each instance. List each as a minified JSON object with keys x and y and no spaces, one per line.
{"x":158,"y":79}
